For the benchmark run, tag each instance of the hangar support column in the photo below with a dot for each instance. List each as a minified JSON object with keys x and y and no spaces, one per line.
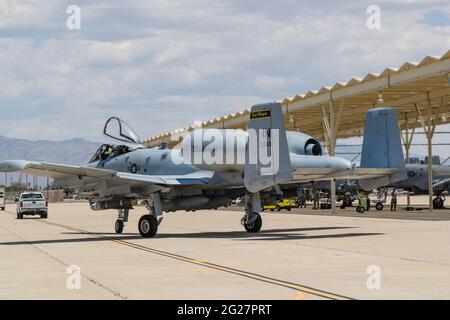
{"x":407,"y":141}
{"x":331,"y":127}
{"x":429,"y":128}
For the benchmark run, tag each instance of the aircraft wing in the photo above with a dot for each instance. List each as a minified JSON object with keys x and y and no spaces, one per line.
{"x":169,"y":180}
{"x":53,"y":170}
{"x":318,"y":174}
{"x":370,"y":173}
{"x":77,"y":176}
{"x":441,"y":182}
{"x":312,"y":174}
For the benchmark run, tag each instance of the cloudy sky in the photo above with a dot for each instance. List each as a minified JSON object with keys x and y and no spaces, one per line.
{"x":162,"y":64}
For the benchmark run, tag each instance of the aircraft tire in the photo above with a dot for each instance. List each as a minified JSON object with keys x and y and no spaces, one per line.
{"x":379,"y":206}
{"x":148,"y":226}
{"x":118,"y":226}
{"x":256,"y":226}
{"x":438,"y":203}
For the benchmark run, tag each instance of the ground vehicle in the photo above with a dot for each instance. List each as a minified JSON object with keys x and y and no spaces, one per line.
{"x":2,"y":198}
{"x":325,"y":201}
{"x":363,"y":203}
{"x":32,"y":203}
{"x":287,"y":204}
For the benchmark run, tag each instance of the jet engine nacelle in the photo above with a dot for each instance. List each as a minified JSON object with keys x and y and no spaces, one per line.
{"x":224,"y":150}
{"x":303,"y":144}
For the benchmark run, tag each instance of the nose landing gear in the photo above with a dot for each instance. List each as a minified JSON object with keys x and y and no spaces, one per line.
{"x":121,"y":219}
{"x":118,"y":226}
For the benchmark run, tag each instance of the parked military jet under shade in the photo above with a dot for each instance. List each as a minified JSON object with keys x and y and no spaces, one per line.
{"x":417,"y":182}
{"x":119,"y":175}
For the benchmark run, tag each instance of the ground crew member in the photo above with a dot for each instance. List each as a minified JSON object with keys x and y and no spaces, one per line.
{"x":302,"y":199}
{"x":315,"y":192}
{"x":394,"y":201}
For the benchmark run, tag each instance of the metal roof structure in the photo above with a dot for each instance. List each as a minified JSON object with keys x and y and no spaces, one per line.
{"x":411,"y":89}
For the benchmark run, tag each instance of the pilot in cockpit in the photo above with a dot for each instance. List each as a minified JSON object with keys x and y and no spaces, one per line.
{"x":120,"y":132}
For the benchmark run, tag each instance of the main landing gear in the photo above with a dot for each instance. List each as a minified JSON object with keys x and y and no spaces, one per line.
{"x":255,"y":226}
{"x":252,"y":220}
{"x":148,"y":226}
{"x":148,"y":223}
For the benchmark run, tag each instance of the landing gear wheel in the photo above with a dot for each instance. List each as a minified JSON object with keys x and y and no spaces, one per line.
{"x":118,"y":226}
{"x":148,"y":226}
{"x":438,"y":203}
{"x":255,"y":226}
{"x":379,"y":206}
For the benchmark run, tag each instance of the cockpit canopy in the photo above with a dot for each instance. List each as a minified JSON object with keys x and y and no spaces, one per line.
{"x":124,"y":140}
{"x":120,"y":131}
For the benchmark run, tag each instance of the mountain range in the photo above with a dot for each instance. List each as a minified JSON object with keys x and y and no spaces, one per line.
{"x":73,"y":152}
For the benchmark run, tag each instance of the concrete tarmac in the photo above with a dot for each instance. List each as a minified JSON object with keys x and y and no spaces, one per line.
{"x":208,"y":255}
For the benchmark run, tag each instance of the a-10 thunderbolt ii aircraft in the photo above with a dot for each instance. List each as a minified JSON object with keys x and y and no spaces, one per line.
{"x":417,"y":181}
{"x":260,"y":165}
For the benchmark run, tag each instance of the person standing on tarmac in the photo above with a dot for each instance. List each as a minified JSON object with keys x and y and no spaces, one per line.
{"x":315,"y":193}
{"x":394,"y":201}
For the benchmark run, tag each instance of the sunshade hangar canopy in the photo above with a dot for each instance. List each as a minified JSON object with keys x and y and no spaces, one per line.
{"x":411,"y":89}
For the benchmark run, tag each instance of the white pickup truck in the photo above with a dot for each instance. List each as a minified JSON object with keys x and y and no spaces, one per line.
{"x":32,"y":203}
{"x":2,"y":198}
